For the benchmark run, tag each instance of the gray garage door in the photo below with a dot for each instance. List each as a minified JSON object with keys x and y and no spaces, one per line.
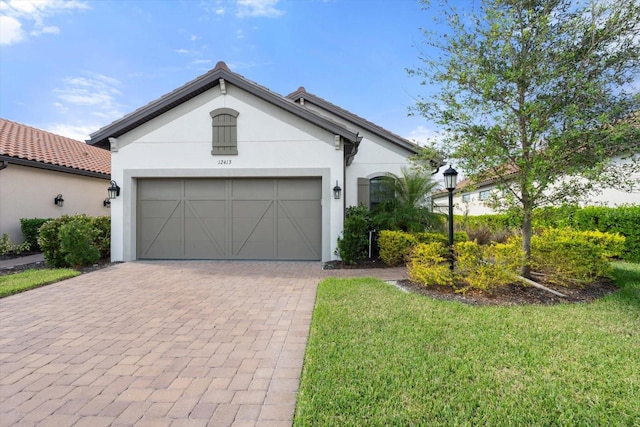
{"x":266,"y":219}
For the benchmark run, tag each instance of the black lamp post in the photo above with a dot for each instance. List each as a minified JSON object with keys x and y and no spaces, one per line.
{"x":450,"y":178}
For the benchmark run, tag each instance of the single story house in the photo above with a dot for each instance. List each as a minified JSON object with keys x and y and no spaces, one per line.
{"x":223,"y":168}
{"x":38,"y":167}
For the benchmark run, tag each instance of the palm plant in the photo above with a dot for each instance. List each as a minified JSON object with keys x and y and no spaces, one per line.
{"x":409,"y":209}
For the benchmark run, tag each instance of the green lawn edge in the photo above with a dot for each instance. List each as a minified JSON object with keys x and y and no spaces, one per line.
{"x":11,"y":284}
{"x":378,"y":356}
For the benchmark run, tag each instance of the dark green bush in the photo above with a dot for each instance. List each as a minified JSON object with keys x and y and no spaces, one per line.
{"x":76,"y":243}
{"x":30,"y":230}
{"x":353,"y":246}
{"x":102,"y":235}
{"x":51,"y":244}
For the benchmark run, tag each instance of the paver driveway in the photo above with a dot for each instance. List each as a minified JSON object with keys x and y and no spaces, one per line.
{"x":161,"y":344}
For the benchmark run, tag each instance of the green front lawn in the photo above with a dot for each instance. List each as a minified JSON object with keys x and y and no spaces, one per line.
{"x":13,"y":283}
{"x":378,"y":356}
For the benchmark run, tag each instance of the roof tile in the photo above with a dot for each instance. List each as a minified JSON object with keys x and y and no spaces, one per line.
{"x":28,"y":143}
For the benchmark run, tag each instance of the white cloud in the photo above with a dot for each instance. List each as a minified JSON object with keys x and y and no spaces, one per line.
{"x":10,"y":30}
{"x":21,"y":17}
{"x":97,"y":92}
{"x":421,"y":135}
{"x":258,"y":8}
{"x":77,"y":132}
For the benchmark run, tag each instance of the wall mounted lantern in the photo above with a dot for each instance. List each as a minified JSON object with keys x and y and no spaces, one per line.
{"x":58,"y":201}
{"x":114,"y":190}
{"x":336,"y":191}
{"x":106,"y":203}
{"x":450,"y":181}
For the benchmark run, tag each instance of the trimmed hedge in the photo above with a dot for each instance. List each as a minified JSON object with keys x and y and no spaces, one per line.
{"x":395,"y":246}
{"x":624,"y":220}
{"x":30,"y":228}
{"x":56,"y":252}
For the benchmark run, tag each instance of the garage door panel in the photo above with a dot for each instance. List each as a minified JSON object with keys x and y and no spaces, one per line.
{"x":160,"y":189}
{"x":205,"y":189}
{"x":252,"y":189}
{"x":230,"y":219}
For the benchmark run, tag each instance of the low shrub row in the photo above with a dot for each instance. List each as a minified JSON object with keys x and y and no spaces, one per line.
{"x":622,"y":219}
{"x":6,"y":247}
{"x":563,"y":256}
{"x":75,"y":241}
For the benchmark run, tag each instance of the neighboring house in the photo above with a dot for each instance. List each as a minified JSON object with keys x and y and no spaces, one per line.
{"x":37,"y":166}
{"x":223,"y":168}
{"x":470,"y":200}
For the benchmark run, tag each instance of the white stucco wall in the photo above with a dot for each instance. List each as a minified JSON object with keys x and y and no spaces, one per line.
{"x":376,"y":156}
{"x":28,"y":192}
{"x":271,"y":143}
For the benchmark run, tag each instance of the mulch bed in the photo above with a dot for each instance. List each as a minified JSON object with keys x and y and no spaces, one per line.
{"x":514,"y":294}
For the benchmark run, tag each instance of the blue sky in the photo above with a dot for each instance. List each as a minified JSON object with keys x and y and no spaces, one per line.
{"x":71,"y":67}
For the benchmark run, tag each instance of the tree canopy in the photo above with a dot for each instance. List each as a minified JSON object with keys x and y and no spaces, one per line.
{"x":534,"y":93}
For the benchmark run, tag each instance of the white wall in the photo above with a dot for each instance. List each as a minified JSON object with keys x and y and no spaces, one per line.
{"x":271,"y":143}
{"x":28,"y":192}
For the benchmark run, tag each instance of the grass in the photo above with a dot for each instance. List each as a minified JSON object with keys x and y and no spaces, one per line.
{"x":380,"y":357}
{"x":19,"y":282}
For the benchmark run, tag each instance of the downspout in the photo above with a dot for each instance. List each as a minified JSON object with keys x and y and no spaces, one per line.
{"x":348,"y":159}
{"x":4,"y":164}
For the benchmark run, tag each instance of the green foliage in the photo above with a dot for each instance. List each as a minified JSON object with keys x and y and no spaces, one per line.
{"x":6,"y":247}
{"x":487,"y":267}
{"x":427,"y":265}
{"x":102,"y":235}
{"x":353,"y":246}
{"x":407,"y":211}
{"x":50,"y":243}
{"x":23,"y":281}
{"x":396,"y":245}
{"x":622,"y":219}
{"x":428,"y":237}
{"x":30,"y":230}
{"x":572,"y":258}
{"x":76,"y":239}
{"x":55,"y":251}
{"x":528,"y":94}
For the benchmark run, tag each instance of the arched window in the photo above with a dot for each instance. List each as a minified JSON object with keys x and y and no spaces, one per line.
{"x":372,"y":192}
{"x":225,"y":133}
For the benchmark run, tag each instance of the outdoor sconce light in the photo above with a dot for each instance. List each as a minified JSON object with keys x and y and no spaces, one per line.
{"x":450,"y":181}
{"x":58,"y":201}
{"x":106,"y":203}
{"x":336,"y":191}
{"x":114,"y":190}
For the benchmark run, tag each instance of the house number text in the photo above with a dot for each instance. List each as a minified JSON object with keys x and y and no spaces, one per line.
{"x":224,"y":162}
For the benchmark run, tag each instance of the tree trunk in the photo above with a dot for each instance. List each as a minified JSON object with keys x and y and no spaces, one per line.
{"x":526,"y":241}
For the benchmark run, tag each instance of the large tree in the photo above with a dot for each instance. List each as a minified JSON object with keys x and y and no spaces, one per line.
{"x":537,"y":94}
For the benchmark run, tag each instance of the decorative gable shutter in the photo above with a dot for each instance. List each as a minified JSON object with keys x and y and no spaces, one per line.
{"x":363,"y":192}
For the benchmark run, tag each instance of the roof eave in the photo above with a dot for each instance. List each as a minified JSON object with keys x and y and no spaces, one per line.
{"x":356,"y":120}
{"x":200,"y":85}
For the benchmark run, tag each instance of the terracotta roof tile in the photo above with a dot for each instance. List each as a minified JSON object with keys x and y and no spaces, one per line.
{"x":28,"y":143}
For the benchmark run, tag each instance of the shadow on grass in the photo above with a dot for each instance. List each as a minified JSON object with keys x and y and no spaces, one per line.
{"x":627,"y":277}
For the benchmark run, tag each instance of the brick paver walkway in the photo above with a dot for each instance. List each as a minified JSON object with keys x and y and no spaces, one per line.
{"x":161,"y":344}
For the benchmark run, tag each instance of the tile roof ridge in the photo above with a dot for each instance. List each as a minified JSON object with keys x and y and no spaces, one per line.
{"x":301,"y":92}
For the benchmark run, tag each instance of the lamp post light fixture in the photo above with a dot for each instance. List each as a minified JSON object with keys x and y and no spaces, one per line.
{"x":114,"y":190}
{"x":450,"y":181}
{"x":106,"y":203}
{"x":58,"y":201}
{"x":336,"y":191}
